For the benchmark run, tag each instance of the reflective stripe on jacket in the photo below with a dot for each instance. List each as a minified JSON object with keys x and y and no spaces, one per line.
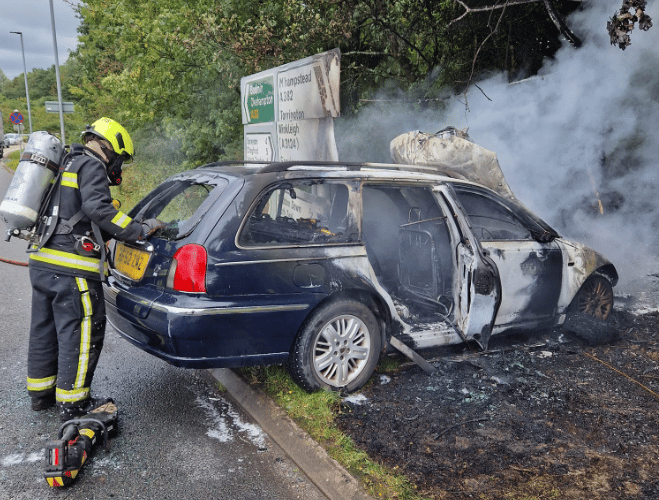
{"x":83,"y":187}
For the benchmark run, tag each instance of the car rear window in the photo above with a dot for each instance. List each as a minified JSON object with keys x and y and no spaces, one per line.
{"x":180,"y":203}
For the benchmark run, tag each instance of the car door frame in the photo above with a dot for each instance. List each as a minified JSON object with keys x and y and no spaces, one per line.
{"x":532,"y":268}
{"x":477,"y":280}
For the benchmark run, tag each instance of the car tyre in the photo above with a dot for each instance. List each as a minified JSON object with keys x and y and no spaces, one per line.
{"x":595,"y":298}
{"x":589,"y":311}
{"x":337,"y":348}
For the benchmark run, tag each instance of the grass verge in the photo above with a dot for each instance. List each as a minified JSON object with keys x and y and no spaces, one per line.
{"x":315,"y":413}
{"x":12,"y":159}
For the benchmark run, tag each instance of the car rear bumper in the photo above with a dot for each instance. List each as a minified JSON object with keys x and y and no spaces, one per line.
{"x":222,"y":334}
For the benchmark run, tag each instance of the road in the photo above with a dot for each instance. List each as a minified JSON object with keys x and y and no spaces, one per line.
{"x":178,"y":438}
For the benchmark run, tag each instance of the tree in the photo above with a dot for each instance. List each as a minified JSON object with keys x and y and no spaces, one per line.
{"x":623,"y":22}
{"x":176,"y":66}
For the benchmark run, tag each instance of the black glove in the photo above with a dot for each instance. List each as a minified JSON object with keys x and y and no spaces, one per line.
{"x":150,"y":226}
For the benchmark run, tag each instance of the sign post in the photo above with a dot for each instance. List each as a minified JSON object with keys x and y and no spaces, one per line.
{"x":288,"y":111}
{"x":17,"y":119}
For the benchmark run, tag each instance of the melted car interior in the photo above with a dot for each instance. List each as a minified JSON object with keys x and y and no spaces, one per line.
{"x":409,"y":247}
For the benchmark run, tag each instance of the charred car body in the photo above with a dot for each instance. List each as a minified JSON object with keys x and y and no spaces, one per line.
{"x":320,"y":265}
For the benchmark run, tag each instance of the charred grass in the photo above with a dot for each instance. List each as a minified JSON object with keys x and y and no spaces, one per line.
{"x":537,"y":416}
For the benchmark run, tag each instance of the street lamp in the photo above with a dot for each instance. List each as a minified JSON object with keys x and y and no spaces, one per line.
{"x":27,"y":92}
{"x":59,"y":81}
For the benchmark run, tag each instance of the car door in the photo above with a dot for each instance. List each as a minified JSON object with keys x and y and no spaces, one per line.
{"x":427,"y":261}
{"x":529,"y":262}
{"x":478,"y":283}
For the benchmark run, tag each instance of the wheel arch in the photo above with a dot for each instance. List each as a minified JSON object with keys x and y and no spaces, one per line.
{"x":370,"y":299}
{"x":609,"y":272}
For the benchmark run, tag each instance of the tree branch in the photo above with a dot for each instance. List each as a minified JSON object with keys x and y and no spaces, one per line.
{"x":469,"y":10}
{"x":553,"y":15}
{"x":560,"y":24}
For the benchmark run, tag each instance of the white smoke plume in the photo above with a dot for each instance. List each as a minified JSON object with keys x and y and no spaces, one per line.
{"x":587,"y":125}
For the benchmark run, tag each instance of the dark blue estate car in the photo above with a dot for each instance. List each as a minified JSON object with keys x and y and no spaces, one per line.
{"x":320,"y":265}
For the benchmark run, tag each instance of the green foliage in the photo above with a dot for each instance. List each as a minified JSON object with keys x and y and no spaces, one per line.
{"x":173,"y":68}
{"x":74,"y":123}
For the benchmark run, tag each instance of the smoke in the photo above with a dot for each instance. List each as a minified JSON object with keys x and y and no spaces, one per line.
{"x":576,"y":140}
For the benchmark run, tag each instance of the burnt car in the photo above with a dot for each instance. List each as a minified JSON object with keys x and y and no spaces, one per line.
{"x":323,"y":266}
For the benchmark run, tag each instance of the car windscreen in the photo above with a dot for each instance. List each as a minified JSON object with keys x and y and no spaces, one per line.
{"x":180,"y":203}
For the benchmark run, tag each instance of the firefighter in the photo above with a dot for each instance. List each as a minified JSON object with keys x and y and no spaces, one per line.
{"x":68,"y":310}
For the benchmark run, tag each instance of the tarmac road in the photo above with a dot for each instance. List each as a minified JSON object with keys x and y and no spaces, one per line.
{"x":177,"y":439}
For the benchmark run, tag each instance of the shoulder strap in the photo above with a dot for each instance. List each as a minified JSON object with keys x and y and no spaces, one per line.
{"x":101,"y":243}
{"x":46,"y":225}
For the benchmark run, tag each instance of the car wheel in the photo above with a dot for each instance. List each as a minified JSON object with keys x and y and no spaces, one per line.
{"x":595,"y":298}
{"x":589,"y":311}
{"x":338,"y":347}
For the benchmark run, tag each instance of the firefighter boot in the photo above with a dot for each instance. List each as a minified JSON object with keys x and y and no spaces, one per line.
{"x":69,"y":411}
{"x":43,"y":401}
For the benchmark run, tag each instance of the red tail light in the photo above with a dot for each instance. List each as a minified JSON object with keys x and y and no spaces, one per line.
{"x":188,"y":270}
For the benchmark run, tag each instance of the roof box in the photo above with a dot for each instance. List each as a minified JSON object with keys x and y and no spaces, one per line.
{"x":454,"y":154}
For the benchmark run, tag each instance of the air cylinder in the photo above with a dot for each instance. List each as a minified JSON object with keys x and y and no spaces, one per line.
{"x":35,"y":172}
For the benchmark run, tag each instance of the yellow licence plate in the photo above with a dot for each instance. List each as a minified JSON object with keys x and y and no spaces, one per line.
{"x":130,"y":262}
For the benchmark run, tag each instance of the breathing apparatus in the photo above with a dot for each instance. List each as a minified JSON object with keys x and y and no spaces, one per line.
{"x":32,"y":182}
{"x":37,"y":175}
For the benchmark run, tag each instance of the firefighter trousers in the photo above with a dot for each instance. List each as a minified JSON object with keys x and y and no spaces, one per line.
{"x":66,"y":336}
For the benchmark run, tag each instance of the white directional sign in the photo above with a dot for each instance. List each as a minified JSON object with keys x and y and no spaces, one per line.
{"x":301,"y":99}
{"x":306,"y":140}
{"x":260,"y":147}
{"x":53,"y":107}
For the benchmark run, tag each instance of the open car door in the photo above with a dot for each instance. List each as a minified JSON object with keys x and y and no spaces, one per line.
{"x":478,"y":286}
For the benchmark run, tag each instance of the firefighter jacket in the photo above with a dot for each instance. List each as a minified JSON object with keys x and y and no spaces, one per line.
{"x":82,"y":196}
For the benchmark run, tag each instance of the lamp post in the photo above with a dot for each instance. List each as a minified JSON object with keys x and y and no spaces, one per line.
{"x":59,"y":81}
{"x":27,"y":92}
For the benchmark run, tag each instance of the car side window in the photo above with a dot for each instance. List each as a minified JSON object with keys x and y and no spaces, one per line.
{"x":490,"y":219}
{"x":299,"y":213}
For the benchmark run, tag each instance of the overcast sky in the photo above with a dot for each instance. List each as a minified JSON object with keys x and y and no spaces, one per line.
{"x":32,"y":17}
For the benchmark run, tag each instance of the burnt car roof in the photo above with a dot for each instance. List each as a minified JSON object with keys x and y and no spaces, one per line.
{"x":329,"y":169}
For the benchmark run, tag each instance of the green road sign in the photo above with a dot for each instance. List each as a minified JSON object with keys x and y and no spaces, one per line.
{"x":259,"y":100}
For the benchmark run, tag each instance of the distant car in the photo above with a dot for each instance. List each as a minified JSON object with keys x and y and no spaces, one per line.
{"x":12,"y":139}
{"x":318,"y":265}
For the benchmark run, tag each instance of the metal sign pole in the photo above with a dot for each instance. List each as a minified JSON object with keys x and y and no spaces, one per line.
{"x":59,"y":83}
{"x":27,"y":92}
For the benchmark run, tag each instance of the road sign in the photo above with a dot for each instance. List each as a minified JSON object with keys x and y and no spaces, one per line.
{"x":259,"y":100}
{"x":16,"y":118}
{"x":292,"y":107}
{"x":53,"y":107}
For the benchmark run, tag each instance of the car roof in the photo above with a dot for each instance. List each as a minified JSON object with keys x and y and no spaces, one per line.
{"x":327,"y":169}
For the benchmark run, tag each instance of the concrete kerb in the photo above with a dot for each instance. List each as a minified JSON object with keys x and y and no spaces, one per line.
{"x":327,"y":474}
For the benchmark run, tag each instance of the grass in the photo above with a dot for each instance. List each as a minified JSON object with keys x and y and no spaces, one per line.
{"x":12,"y":159}
{"x":315,"y":413}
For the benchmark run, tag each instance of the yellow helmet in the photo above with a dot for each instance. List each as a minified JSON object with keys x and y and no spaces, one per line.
{"x":115,"y":134}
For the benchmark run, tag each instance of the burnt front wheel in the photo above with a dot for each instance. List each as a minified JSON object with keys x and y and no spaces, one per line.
{"x":595,"y":298}
{"x":338,"y":347}
{"x":590,"y":310}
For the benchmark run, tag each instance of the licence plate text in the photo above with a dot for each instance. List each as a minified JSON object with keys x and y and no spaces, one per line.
{"x":130,"y":262}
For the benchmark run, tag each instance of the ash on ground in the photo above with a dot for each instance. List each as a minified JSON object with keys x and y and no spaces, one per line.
{"x":539,"y":415}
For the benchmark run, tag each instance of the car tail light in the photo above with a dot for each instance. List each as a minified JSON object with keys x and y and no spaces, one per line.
{"x":188,"y":270}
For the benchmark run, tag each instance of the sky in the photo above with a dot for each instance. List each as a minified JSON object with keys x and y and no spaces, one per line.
{"x":33,"y":18}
